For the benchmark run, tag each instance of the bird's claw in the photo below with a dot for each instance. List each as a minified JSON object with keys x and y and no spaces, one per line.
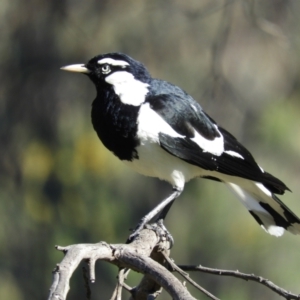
{"x":135,"y":233}
{"x":160,"y":230}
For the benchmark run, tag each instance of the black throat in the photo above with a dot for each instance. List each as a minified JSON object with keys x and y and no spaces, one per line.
{"x":115,"y":124}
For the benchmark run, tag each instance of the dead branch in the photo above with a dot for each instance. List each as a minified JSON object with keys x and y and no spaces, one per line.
{"x":248,"y":277}
{"x":135,"y":256}
{"x":147,"y":254}
{"x":186,"y":276}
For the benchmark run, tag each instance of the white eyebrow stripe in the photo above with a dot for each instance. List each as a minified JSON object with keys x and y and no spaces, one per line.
{"x":113,"y":62}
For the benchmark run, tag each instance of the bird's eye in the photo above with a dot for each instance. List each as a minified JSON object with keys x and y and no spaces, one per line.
{"x":105,"y":69}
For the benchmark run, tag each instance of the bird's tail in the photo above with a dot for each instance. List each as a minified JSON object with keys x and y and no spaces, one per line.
{"x":271,"y":214}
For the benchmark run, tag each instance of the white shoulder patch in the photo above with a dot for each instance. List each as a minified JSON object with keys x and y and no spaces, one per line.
{"x":113,"y":62}
{"x":130,"y":90}
{"x":150,"y":124}
{"x":215,"y":147}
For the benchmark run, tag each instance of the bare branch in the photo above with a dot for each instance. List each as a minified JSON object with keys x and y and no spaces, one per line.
{"x":120,"y":284}
{"x":157,"y":272}
{"x":249,"y":277}
{"x":147,"y":255}
{"x":134,"y":256}
{"x":187,"y":277}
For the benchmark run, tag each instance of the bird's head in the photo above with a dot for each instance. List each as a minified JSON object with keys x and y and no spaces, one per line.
{"x":112,"y":68}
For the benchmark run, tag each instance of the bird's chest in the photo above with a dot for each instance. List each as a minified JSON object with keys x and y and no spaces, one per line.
{"x":116,"y":126}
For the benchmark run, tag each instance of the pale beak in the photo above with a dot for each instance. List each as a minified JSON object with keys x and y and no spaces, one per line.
{"x":76,"y":68}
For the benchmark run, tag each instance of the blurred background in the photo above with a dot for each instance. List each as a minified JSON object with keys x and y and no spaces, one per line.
{"x":58,"y":185}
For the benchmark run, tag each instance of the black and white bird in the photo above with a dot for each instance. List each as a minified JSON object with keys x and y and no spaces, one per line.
{"x":159,"y":130}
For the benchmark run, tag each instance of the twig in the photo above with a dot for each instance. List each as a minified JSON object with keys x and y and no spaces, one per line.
{"x":125,"y":275}
{"x":122,"y":275}
{"x":248,"y":277}
{"x":187,"y":277}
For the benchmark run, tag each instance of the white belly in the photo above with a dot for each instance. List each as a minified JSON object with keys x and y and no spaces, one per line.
{"x":154,"y":161}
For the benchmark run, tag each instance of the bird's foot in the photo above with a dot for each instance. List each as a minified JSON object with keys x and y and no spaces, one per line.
{"x":162,"y":232}
{"x":136,"y":231}
{"x":158,"y":227}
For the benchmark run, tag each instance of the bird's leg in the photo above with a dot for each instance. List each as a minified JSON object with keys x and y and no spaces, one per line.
{"x":161,"y":211}
{"x":160,"y":227}
{"x":165,"y":211}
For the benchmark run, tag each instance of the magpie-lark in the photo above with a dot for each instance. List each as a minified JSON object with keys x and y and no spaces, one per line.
{"x":159,"y":130}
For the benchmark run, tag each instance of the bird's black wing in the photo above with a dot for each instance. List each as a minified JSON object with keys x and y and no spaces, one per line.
{"x":183,"y":115}
{"x":188,"y":119}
